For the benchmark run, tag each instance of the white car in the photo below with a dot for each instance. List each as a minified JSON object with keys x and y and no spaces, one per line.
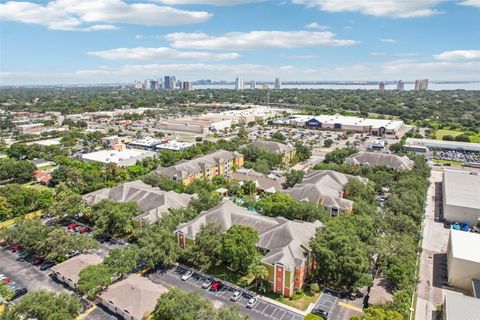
{"x":235,"y":296}
{"x":251,"y":303}
{"x":187,"y":275}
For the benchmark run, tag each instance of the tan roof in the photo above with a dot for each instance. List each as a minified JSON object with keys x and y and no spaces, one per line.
{"x":381,"y":159}
{"x":261,"y":181}
{"x":197,"y":165}
{"x":273,"y":146}
{"x":153,"y":202}
{"x":324,"y":186}
{"x":286,"y":241}
{"x":134,"y":295}
{"x":71,"y":268}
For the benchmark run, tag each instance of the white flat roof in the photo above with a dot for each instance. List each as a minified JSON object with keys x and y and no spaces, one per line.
{"x":353,"y":121}
{"x":442,"y":144}
{"x":462,"y":188}
{"x":175,"y":145}
{"x":146,"y":142}
{"x":465,"y":245}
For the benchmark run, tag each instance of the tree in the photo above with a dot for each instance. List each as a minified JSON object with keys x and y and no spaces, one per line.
{"x":328,"y":143}
{"x":278,"y":137}
{"x":207,"y":249}
{"x":114,"y":218}
{"x":258,"y":270}
{"x":294,"y":177}
{"x":374,"y":313}
{"x":303,"y":152}
{"x":249,"y":187}
{"x":94,"y":278}
{"x":162,"y":182}
{"x":5,"y":291}
{"x":69,"y":204}
{"x":122,"y":261}
{"x":205,"y":200}
{"x":339,"y":155}
{"x":462,"y":137}
{"x":448,"y":137}
{"x":230,"y":314}
{"x":18,"y":171}
{"x":157,"y":245}
{"x":46,"y":305}
{"x":59,"y":242}
{"x":179,"y":305}
{"x":239,"y":249}
{"x":242,"y":133}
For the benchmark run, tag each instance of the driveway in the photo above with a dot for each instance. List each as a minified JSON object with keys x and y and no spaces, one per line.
{"x":25,"y":274}
{"x":337,"y":308}
{"x":170,"y":277}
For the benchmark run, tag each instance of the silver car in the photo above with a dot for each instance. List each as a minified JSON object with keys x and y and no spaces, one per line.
{"x":235,"y":296}
{"x":251,"y":303}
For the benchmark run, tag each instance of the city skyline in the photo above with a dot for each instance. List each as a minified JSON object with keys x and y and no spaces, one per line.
{"x":119,"y":42}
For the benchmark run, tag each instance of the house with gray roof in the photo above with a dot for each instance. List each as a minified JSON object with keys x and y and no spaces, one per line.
{"x":287,"y":151}
{"x":262,"y":182}
{"x":378,"y":159}
{"x":152,"y":201}
{"x":284,"y":243}
{"x":325,"y":188}
{"x":217,"y":163}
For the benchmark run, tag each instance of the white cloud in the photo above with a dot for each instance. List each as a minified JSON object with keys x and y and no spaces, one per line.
{"x":207,"y":2}
{"x":138,"y":36}
{"x":471,"y":3}
{"x":379,"y":8}
{"x":458,"y":55}
{"x":316,"y":26}
{"x":387,"y":40}
{"x":377,"y":53}
{"x":407,"y":54}
{"x":74,"y":15}
{"x":141,"y":53}
{"x":257,"y":40}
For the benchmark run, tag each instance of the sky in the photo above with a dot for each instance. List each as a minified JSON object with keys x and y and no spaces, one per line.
{"x":112,"y":41}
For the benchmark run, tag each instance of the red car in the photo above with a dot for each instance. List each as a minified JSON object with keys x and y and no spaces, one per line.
{"x":72,"y":226}
{"x":216,"y":285}
{"x":84,"y":230}
{"x":17,"y":248}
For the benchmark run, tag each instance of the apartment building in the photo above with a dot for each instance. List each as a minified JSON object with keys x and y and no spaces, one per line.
{"x":218,"y":163}
{"x":285,"y":244}
{"x":286,"y":151}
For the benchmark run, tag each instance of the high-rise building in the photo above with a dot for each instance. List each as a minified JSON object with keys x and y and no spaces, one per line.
{"x":421,"y":84}
{"x":167,"y":82}
{"x":278,"y":84}
{"x":239,"y":84}
{"x":400,"y":85}
{"x":187,"y":85}
{"x":253,"y":84}
{"x":138,"y":85}
{"x":381,"y":86}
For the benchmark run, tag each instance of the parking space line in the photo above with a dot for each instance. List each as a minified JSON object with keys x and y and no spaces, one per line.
{"x":87,"y":312}
{"x":349,"y":306}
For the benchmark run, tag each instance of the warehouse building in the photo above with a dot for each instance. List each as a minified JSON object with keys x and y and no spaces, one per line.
{"x":415,"y":144}
{"x":461,"y":196}
{"x":122,"y":158}
{"x":459,"y":307}
{"x":463,"y":260}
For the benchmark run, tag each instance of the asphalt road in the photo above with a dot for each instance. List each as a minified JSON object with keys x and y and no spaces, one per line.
{"x":261,"y":311}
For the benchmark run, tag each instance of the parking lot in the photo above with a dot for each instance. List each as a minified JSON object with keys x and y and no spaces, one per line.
{"x":260,"y":311}
{"x":337,"y":307}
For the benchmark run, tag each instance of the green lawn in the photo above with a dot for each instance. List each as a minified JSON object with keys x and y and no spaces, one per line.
{"x":454,"y":163}
{"x":299,"y":300}
{"x":442,"y":132}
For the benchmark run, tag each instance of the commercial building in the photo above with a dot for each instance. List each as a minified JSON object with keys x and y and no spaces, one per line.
{"x":461,"y":196}
{"x":345,"y":123}
{"x":463,"y":259}
{"x":378,"y":159}
{"x":239,"y":85}
{"x":201,"y":125}
{"x":147,"y":143}
{"x":325,"y":188}
{"x":377,"y":144}
{"x":218,"y":163}
{"x":278,"y":84}
{"x":421,"y":84}
{"x":133,"y":298}
{"x":152,"y":202}
{"x":114,"y":140}
{"x":174,"y":145}
{"x":122,"y":158}
{"x":460,"y":307}
{"x":285,"y":244}
{"x":68,"y":271}
{"x":414,"y":143}
{"x":187,"y":85}
{"x":286,"y":151}
{"x":400,"y":85}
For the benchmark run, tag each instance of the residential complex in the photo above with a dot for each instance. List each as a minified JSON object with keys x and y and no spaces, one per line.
{"x":68,"y":272}
{"x":153,"y":202}
{"x":286,"y":151}
{"x":284,"y":243}
{"x":262,"y":183}
{"x":377,"y":159}
{"x":218,"y":163}
{"x":325,"y":188}
{"x":461,"y":196}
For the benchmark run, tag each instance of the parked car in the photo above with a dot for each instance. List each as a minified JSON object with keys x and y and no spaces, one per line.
{"x":187,"y":275}
{"x":85,"y":230}
{"x":72,"y":226}
{"x":23,"y":255}
{"x":321,"y":313}
{"x":37,"y":261}
{"x":46,"y":265}
{"x":251,"y":303}
{"x":207,"y":282}
{"x":19,"y":292}
{"x":17,"y":248}
{"x":71,"y":254}
{"x":236,"y":296}
{"x":77,"y":228}
{"x":216,"y":285}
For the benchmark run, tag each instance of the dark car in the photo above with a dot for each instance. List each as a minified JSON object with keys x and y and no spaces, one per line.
{"x":19,"y":292}
{"x":17,"y":248}
{"x":321,"y":313}
{"x":46,"y":265}
{"x":37,"y":261}
{"x":23,"y":255}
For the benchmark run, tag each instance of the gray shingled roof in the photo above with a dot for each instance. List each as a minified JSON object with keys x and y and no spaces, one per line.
{"x":273,"y":146}
{"x":285,"y":240}
{"x":326,"y":186}
{"x":153,"y":202}
{"x":261,"y":181}
{"x":377,"y":159}
{"x":185,"y":168}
